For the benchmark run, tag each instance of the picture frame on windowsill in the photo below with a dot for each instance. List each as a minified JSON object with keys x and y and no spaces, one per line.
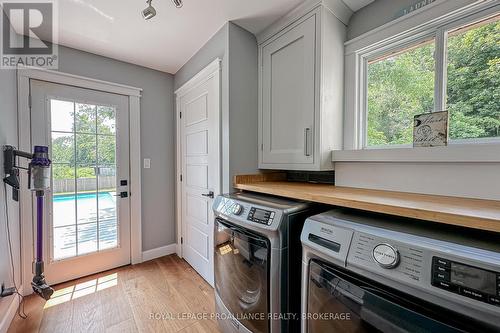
{"x":430,"y":129}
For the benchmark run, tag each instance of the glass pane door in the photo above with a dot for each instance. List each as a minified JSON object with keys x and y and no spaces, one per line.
{"x":84,"y":207}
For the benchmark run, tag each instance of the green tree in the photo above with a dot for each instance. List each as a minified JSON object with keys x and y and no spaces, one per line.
{"x":474,"y":82}
{"x":91,"y":145}
{"x":399,"y":87}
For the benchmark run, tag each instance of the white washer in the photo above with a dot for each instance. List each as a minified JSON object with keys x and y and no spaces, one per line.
{"x":370,"y":272}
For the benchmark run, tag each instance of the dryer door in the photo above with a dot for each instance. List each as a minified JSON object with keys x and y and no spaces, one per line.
{"x":241,"y":274}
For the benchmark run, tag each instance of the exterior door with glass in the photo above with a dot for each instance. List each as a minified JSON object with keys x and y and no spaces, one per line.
{"x":87,"y":219}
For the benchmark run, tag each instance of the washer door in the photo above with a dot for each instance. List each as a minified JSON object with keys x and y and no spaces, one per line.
{"x":241,"y":274}
{"x":339,"y":301}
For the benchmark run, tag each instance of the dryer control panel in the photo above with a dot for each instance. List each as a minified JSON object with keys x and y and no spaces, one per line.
{"x":247,"y":214}
{"x":261,"y":216}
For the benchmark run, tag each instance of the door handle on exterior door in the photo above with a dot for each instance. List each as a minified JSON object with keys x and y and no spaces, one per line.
{"x":307,"y":132}
{"x":123,"y":194}
{"x":209,"y":194}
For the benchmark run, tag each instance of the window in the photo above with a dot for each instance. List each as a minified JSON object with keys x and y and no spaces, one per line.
{"x":400,"y":85}
{"x":84,"y":212}
{"x":473,"y":89}
{"x":402,"y":81}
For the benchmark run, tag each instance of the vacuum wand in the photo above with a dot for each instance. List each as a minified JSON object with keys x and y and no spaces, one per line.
{"x":39,"y":227}
{"x":38,"y":182}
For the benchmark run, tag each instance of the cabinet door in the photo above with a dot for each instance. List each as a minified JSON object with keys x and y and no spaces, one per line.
{"x":288,"y":96}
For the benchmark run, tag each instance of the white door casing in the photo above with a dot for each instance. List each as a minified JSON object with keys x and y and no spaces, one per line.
{"x":199,"y":152}
{"x":24,"y":75}
{"x":88,"y":261}
{"x":288,"y":96}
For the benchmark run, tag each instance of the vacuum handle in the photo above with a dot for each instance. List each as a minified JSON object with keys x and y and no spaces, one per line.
{"x":29,"y":176}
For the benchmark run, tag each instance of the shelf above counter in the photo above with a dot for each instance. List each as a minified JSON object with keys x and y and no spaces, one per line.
{"x":465,"y":212}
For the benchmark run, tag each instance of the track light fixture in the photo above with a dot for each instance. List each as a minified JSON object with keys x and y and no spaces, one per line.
{"x":177,"y":3}
{"x":150,"y":11}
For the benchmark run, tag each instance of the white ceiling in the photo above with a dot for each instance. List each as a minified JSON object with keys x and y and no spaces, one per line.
{"x":116,"y":29}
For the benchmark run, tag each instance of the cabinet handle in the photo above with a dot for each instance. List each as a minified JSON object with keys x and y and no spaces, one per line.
{"x":307,"y":132}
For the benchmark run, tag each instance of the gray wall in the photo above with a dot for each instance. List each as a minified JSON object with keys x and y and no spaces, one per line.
{"x":157,"y":135}
{"x":214,"y":48}
{"x":381,"y":12}
{"x":243,"y":103}
{"x":374,"y":15}
{"x":237,"y":48}
{"x":8,"y":135}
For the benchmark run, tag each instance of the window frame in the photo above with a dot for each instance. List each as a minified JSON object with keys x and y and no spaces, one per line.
{"x":440,"y":35}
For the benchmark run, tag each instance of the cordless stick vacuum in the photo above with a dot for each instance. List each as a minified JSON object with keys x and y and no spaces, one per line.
{"x":38,"y":182}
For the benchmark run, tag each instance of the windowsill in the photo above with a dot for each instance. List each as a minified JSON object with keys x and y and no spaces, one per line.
{"x":454,"y":153}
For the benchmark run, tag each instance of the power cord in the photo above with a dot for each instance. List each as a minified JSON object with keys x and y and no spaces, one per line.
{"x":20,"y":308}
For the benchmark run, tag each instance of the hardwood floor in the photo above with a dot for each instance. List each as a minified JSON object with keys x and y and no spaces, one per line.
{"x":161,"y":295}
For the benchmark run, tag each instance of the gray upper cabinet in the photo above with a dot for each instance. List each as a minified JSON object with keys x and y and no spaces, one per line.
{"x":301,"y":91}
{"x":288,"y":68}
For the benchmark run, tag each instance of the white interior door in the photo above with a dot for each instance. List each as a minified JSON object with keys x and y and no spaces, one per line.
{"x":87,"y":221}
{"x":288,"y":96}
{"x":200,"y":168}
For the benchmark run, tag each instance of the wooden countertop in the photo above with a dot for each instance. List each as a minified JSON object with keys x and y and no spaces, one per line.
{"x":471,"y":213}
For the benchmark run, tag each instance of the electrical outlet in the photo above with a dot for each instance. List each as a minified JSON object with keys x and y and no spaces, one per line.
{"x":6,"y":291}
{"x":147,"y":163}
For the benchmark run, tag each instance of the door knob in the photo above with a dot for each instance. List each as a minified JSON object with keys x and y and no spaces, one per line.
{"x":209,"y":194}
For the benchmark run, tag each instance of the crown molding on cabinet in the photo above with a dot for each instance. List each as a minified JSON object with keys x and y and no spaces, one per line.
{"x":338,"y":8}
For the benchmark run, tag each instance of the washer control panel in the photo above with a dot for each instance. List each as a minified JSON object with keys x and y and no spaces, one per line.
{"x":386,"y":257}
{"x":469,"y":281}
{"x":261,"y":216}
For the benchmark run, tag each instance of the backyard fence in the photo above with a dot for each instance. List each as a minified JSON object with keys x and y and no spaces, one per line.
{"x":83,"y":184}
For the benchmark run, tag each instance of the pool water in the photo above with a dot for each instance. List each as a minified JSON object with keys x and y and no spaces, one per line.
{"x":82,"y":196}
{"x":83,"y":223}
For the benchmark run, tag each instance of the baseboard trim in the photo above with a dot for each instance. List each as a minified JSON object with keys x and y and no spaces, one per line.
{"x":9,"y":316}
{"x":159,"y":252}
{"x":179,"y":250}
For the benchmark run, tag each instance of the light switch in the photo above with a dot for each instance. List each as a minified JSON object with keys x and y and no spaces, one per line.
{"x":147,"y":163}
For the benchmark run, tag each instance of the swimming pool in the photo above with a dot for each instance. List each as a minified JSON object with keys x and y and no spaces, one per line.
{"x":83,"y":223}
{"x":82,"y":196}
